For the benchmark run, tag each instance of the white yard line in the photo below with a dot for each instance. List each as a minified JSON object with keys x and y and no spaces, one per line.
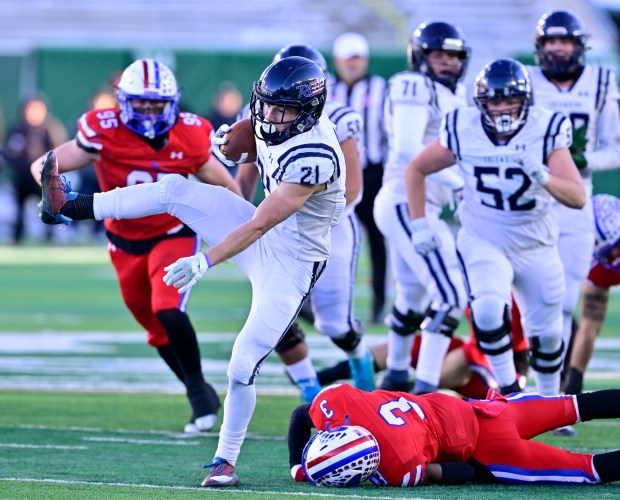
{"x":220,"y":491}
{"x":42,"y":446}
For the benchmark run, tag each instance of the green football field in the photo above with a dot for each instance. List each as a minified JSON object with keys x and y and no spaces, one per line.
{"x":87,"y":410}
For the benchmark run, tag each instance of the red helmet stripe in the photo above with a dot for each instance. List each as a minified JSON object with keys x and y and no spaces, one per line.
{"x":145,"y":68}
{"x":340,"y":449}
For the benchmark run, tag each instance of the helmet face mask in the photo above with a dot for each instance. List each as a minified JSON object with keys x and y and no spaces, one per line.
{"x":438,"y":36}
{"x":561,"y":24}
{"x":505,"y":84}
{"x":292,"y":84}
{"x":148,"y":81}
{"x":607,"y":231}
{"x":344,"y":456}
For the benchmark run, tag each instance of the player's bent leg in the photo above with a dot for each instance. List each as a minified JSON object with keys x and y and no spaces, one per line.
{"x":293,"y":351}
{"x":400,"y":337}
{"x":360,"y":359}
{"x":492,"y":328}
{"x":437,"y":330}
{"x":546,"y":362}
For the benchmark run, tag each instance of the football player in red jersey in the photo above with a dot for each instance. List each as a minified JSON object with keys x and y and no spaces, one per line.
{"x":142,"y":141}
{"x":436,"y":438}
{"x":604,"y":273}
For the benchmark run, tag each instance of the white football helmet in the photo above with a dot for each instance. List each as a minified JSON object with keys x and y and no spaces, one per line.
{"x":344,"y":456}
{"x":607,"y":229}
{"x":151,"y":80}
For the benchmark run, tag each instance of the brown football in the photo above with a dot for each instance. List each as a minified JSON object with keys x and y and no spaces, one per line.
{"x":240,"y":141}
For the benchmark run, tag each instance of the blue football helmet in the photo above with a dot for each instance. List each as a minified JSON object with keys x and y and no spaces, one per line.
{"x":438,"y":35}
{"x":503,"y":79}
{"x":292,"y":82}
{"x":148,"y":79}
{"x":302,"y":50}
{"x":561,"y":24}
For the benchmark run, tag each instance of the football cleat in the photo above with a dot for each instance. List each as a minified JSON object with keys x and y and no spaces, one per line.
{"x":566,"y":431}
{"x":221,"y":473}
{"x":56,"y":192}
{"x":394,"y":381}
{"x":200,"y":424}
{"x":363,"y":372}
{"x":309,"y":387}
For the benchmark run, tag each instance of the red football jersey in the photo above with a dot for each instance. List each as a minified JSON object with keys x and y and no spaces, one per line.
{"x":126,"y":159}
{"x":411,"y":430}
{"x":602,"y":277}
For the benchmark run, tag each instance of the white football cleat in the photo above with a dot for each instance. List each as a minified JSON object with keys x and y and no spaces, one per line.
{"x":201,"y":424}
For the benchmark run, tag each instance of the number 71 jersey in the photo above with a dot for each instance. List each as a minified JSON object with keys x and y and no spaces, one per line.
{"x":497,"y":190}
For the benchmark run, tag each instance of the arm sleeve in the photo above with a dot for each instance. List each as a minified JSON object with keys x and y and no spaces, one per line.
{"x":606,"y":155}
{"x":455,"y":473}
{"x":299,"y":430}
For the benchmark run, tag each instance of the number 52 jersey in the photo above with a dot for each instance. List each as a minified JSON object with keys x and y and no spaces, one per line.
{"x":498,"y":194}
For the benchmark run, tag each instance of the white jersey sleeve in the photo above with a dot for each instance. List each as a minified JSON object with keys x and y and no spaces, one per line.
{"x":606,"y":154}
{"x":408,"y":109}
{"x":348,"y":122}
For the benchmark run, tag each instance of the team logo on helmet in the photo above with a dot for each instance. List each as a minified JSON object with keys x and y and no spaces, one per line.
{"x":312,"y":88}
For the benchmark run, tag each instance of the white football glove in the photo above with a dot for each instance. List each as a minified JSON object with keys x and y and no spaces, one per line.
{"x":534,"y":169}
{"x":423,"y":237}
{"x":217,"y":140}
{"x":186,"y":272}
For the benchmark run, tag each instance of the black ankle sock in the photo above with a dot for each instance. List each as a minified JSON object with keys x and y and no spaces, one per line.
{"x":599,"y":404}
{"x":79,"y":209}
{"x":608,"y":466}
{"x":341,"y":371}
{"x":574,"y":384}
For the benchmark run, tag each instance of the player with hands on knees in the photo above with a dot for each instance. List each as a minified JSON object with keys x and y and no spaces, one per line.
{"x":515,"y":160}
{"x":282,"y":245}
{"x":144,"y":139}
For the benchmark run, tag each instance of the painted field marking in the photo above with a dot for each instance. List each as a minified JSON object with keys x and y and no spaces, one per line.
{"x":42,"y":446}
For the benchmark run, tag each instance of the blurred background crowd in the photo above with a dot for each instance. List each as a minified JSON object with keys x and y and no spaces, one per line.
{"x":60,"y":58}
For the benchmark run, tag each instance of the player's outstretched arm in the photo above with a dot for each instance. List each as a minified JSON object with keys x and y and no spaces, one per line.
{"x":448,"y":473}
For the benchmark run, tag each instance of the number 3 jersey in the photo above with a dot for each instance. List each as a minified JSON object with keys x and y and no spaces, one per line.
{"x":126,"y":159}
{"x":500,"y":202}
{"x":412,"y":431}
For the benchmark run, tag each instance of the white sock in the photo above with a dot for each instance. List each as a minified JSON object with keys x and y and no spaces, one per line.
{"x":301,"y":370}
{"x":547,"y":384}
{"x":238,"y":409}
{"x":433,"y":350}
{"x":399,"y":351}
{"x":503,"y":366}
{"x":567,"y":330}
{"x":129,"y":203}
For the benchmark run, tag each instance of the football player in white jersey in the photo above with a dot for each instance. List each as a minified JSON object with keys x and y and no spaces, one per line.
{"x":430,"y":292}
{"x":515,"y":160}
{"x":333,"y":294}
{"x":588,"y":95}
{"x":281,"y":245}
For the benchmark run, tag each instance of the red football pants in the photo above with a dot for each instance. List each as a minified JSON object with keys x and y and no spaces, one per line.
{"x":141,"y":281}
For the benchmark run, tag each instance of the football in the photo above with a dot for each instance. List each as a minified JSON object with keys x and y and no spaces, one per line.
{"x":240,"y":144}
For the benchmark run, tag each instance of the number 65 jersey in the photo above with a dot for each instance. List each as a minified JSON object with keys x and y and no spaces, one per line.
{"x":500,"y":202}
{"x":412,"y":431}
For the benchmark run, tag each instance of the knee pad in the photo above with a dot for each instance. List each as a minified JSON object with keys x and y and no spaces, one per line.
{"x":442,"y":320}
{"x":546,"y":353}
{"x":494,"y":341}
{"x":174,"y":184}
{"x":404,"y":324}
{"x":350,"y":340}
{"x":292,"y":337}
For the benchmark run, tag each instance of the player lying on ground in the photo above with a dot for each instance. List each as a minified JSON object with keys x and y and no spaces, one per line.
{"x":405,"y":440}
